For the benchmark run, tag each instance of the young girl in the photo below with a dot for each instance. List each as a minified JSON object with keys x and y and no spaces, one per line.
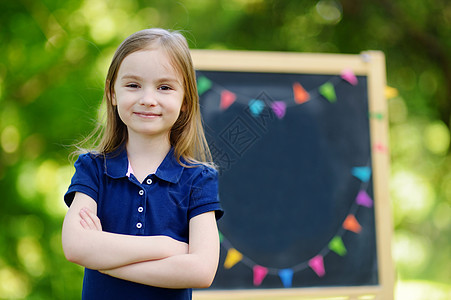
{"x":143,"y":204}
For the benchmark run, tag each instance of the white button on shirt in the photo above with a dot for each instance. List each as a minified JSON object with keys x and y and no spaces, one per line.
{"x":149,"y":181}
{"x":140,"y":209}
{"x":139,"y":225}
{"x":141,"y":192}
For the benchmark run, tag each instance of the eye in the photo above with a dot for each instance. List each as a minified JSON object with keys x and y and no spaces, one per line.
{"x":132,"y":85}
{"x":165,"y":87}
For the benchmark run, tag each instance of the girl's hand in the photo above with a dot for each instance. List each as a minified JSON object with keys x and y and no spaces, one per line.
{"x":89,"y":220}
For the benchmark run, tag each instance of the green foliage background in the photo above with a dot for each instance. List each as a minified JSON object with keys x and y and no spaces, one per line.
{"x":53,"y":60}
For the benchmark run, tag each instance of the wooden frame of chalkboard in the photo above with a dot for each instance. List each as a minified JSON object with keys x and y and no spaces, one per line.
{"x":215,"y":68}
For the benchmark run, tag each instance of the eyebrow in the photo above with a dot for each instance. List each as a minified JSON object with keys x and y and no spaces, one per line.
{"x":131,"y":76}
{"x":139,"y":78}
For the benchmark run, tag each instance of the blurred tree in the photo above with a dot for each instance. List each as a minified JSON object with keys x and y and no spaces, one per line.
{"x":53,"y":60}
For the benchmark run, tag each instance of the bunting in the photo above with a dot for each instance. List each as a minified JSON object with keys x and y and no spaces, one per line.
{"x":203,"y":84}
{"x":337,"y":245}
{"x":362,"y":173}
{"x":317,"y":265}
{"x":327,"y":90}
{"x":350,"y":223}
{"x":233,"y":257}
{"x":256,"y":106}
{"x":348,"y":75}
{"x":300,"y":94}
{"x":364,"y":199}
{"x":286,"y":275}
{"x":259,"y":274}
{"x":279,"y":108}
{"x":227,"y":98}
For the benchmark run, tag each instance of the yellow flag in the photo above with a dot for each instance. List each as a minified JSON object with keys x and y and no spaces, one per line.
{"x":391,"y":92}
{"x":233,"y":256}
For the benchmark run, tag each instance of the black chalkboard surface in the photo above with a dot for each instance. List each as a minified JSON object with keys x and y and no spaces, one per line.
{"x":294,"y":152}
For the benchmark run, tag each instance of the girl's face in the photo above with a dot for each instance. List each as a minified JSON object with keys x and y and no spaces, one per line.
{"x":148,"y":93}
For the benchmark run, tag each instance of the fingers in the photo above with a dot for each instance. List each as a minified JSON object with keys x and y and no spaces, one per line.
{"x":89,"y":220}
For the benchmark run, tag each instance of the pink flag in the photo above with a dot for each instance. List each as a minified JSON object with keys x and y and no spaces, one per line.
{"x":317,"y":264}
{"x":349,"y":76}
{"x":259,"y":274}
{"x":227,"y":98}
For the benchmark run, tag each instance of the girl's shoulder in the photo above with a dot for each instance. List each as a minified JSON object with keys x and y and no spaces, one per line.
{"x":90,"y":160}
{"x":90,"y":156}
{"x":201,"y":171}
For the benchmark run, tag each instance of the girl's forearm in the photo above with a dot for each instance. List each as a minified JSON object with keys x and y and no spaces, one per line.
{"x":103,"y":250}
{"x":180,"y":271}
{"x":85,"y":243}
{"x":193,"y":270}
{"x":96,"y":249}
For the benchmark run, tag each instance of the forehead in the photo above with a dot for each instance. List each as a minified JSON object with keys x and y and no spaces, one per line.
{"x":150,"y":62}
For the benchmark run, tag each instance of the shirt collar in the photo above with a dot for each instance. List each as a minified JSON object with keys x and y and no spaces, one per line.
{"x":116,"y":166}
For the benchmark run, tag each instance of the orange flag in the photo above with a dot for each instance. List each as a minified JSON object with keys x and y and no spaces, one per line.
{"x":300,"y":94}
{"x":352,"y":224}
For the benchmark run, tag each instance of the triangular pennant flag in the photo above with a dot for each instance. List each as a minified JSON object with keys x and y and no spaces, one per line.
{"x":203,"y":84}
{"x":336,"y":245}
{"x":364,"y":199}
{"x":377,"y":115}
{"x":317,"y":265}
{"x":328,"y":92}
{"x":300,"y":94}
{"x":259,"y":274}
{"x":349,"y":76}
{"x":391,"y":92}
{"x":362,"y":173}
{"x":227,"y":98}
{"x":279,"y":108}
{"x":352,"y":224}
{"x":286,"y":275}
{"x":233,"y":257}
{"x":256,"y":106}
{"x":380,"y":147}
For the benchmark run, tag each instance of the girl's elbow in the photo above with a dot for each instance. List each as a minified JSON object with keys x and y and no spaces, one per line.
{"x":205,"y":277}
{"x":73,"y":250}
{"x":71,"y":253}
{"x":205,"y":283}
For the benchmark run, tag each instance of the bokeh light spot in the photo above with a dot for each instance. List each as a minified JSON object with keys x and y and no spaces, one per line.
{"x":13,"y":284}
{"x":30,"y":254}
{"x":413,"y":196}
{"x":10,"y":139}
{"x":436,"y":138}
{"x":410,"y":251}
{"x":329,"y":10}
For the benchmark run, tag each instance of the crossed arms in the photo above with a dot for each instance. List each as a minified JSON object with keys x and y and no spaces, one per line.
{"x":152,"y":260}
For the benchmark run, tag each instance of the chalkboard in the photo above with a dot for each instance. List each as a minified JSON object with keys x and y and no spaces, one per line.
{"x":297,"y":164}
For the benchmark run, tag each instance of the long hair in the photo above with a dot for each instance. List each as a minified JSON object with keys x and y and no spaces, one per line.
{"x":187,"y":135}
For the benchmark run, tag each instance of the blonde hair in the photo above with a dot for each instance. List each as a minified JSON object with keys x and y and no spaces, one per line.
{"x":187,"y":135}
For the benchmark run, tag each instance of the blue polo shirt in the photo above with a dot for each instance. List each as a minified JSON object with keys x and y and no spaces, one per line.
{"x":162,"y":204}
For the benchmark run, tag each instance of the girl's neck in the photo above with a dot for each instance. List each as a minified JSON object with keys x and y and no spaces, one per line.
{"x":146,"y":155}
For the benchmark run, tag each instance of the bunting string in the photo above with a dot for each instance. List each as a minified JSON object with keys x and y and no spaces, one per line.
{"x":299,"y":96}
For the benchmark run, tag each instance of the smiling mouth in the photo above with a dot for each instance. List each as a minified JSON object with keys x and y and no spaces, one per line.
{"x":147,"y":114}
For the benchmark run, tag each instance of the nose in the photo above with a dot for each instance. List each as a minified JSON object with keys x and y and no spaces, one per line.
{"x":148,"y":98}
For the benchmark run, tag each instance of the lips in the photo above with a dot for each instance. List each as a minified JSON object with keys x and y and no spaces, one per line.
{"x":147,"y":114}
